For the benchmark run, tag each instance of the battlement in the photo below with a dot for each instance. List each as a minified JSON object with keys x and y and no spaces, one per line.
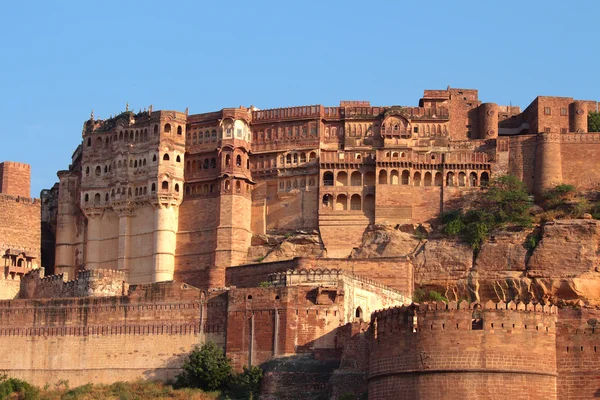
{"x":89,"y":283}
{"x":462,"y":315}
{"x":8,"y":198}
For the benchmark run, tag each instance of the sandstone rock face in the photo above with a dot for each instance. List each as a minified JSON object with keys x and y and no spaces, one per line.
{"x":285,"y":247}
{"x":386,"y":241}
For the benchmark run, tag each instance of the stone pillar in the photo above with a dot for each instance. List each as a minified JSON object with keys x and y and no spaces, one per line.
{"x":165,"y":239}
{"x":579,"y":117}
{"x":548,"y":162}
{"x":93,"y":243}
{"x":124,"y":241}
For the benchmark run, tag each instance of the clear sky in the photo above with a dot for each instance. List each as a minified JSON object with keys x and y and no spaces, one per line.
{"x":61,"y":59}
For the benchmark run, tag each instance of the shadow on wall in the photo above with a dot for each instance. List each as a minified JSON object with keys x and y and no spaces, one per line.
{"x":168,"y":373}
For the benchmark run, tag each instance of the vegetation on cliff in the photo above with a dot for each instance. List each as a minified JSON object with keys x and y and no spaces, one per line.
{"x":505,"y":203}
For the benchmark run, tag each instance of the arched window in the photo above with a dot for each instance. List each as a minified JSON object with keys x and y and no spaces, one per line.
{"x":328,"y":179}
{"x":427,"y":179}
{"x":439,"y":181}
{"x":87,"y":171}
{"x":473,"y":179}
{"x":312,"y":156}
{"x":206,"y":161}
{"x":179,"y":130}
{"x":238,"y":187}
{"x":97,"y":198}
{"x":356,"y":179}
{"x":238,"y":160}
{"x":145,"y":190}
{"x":87,"y":198}
{"x":227,"y":160}
{"x":369,"y":179}
{"x":121,"y":136}
{"x":288,"y":159}
{"x":177,"y":187}
{"x":341,"y":202}
{"x":213,"y":163}
{"x":167,"y":128}
{"x":135,"y":164}
{"x":165,"y":185}
{"x":130,"y":163}
{"x":417,"y":179}
{"x":156,"y":129}
{"x":462,"y":179}
{"x":302,"y":157}
{"x":358,"y":313}
{"x":227,"y":186}
{"x":154,"y":158}
{"x":484,"y":180}
{"x":405,"y":177}
{"x":144,"y":162}
{"x":178,"y":159}
{"x":98,"y":171}
{"x":383,"y":177}
{"x":394,"y":177}
{"x":355,"y":202}
{"x":341,"y":179}
{"x":153,"y":188}
{"x":327,"y":201}
{"x":166,"y":157}
{"x":450,"y":179}
{"x":295,"y":158}
{"x":98,"y":143}
{"x":187,"y":189}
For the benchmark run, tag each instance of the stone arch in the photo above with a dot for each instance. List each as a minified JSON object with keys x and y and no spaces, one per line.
{"x":484,"y":179}
{"x":462,"y":179}
{"x":178,"y":159}
{"x":369,"y":179}
{"x":302,"y":157}
{"x":167,"y":128}
{"x":177,"y":187}
{"x":473,"y":179}
{"x":312,"y":156}
{"x":341,"y":202}
{"x":327,"y":201}
{"x":165,"y":185}
{"x":355,"y":202}
{"x":450,"y":179}
{"x":356,"y":178}
{"x":341,"y":179}
{"x":238,"y":186}
{"x":417,"y":179}
{"x":97,"y":198}
{"x":358,"y":313}
{"x":427,"y":179}
{"x":405,"y":177}
{"x":439,"y":180}
{"x":238,"y":160}
{"x":383,"y":177}
{"x":179,"y":130}
{"x":394,"y":178}
{"x":328,"y":178}
{"x":166,"y":157}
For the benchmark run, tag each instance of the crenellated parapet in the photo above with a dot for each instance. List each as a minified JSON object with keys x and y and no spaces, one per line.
{"x":433,"y":342}
{"x":89,"y":283}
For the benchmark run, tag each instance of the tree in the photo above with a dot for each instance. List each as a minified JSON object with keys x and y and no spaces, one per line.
{"x":206,"y":368}
{"x":594,"y":122}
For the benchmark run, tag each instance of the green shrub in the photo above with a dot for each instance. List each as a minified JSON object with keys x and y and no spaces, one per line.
{"x":11,"y":388}
{"x":594,"y":122}
{"x":420,"y":295}
{"x":245,"y":385}
{"x":206,"y":368}
{"x":558,"y":196}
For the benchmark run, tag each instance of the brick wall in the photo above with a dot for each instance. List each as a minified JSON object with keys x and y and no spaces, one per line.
{"x":143,"y":335}
{"x":15,"y":178}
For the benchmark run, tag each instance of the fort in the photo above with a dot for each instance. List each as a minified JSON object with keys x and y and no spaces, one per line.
{"x":248,"y":227}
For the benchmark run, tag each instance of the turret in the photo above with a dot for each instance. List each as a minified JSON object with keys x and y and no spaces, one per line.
{"x":579,"y":117}
{"x":488,"y":121}
{"x":548,"y":162}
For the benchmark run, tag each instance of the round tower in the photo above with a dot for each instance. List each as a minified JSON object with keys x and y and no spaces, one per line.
{"x":463,"y":351}
{"x":579,"y":116}
{"x":488,"y":121}
{"x":548,"y":162}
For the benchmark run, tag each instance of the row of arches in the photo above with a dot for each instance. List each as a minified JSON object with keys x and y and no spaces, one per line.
{"x":133,"y":135}
{"x":356,"y":179}
{"x":343,"y":202}
{"x":297,"y":158}
{"x":200,"y":137}
{"x":288,"y":132}
{"x":203,"y":163}
{"x":295,"y":183}
{"x":451,"y":178}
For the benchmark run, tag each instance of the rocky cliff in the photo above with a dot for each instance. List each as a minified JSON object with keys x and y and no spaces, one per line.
{"x":558,"y":262}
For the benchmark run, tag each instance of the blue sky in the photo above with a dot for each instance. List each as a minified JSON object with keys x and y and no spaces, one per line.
{"x":62,"y":59}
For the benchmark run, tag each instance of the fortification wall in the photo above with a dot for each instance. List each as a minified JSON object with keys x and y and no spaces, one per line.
{"x":458,"y":351}
{"x":578,"y":353}
{"x":9,"y":288}
{"x":196,"y":240}
{"x":577,"y":150}
{"x":15,"y":179}
{"x":89,"y":283}
{"x":143,"y":335}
